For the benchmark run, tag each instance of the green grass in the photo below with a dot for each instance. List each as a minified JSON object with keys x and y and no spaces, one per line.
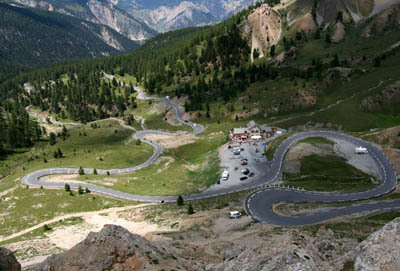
{"x":274,"y":144}
{"x":41,"y":232}
{"x":188,"y":169}
{"x":357,"y":228}
{"x":329,"y":173}
{"x":110,"y":146}
{"x":29,"y":207}
{"x":159,"y":122}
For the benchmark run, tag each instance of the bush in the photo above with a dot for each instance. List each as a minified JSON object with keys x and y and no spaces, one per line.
{"x":190,"y":209}
{"x":81,"y":171}
{"x":179,"y":201}
{"x":95,"y":171}
{"x":46,"y":227}
{"x":67,"y":187}
{"x":138,"y":142}
{"x":80,"y":190}
{"x":87,"y":191}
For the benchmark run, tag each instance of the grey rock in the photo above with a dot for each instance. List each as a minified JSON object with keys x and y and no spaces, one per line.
{"x":8,"y":262}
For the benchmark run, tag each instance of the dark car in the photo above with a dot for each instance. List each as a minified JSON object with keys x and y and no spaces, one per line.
{"x":243,"y":178}
{"x":218,"y":181}
{"x":244,"y":160}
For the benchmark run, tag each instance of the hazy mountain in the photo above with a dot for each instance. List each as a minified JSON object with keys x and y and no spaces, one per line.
{"x":97,"y":11}
{"x":35,"y":37}
{"x":164,"y":15}
{"x":136,"y":19}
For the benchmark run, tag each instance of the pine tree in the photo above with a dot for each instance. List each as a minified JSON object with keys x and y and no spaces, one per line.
{"x":60,"y":154}
{"x":95,"y":171}
{"x":80,"y":190}
{"x":67,"y":187}
{"x":190,"y":209}
{"x":81,"y":171}
{"x":52,"y":139}
{"x":179,"y":201}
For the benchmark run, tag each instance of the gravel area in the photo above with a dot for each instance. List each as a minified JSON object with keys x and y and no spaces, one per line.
{"x":363,"y":162}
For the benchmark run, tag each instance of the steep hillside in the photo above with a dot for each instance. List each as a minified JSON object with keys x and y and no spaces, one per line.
{"x":98,"y":12}
{"x":36,"y":38}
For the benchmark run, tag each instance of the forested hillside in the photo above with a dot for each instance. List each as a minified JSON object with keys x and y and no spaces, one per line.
{"x":35,"y":38}
{"x":302,"y":78}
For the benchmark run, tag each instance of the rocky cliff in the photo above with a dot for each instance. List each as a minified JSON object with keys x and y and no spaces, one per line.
{"x":229,"y":245}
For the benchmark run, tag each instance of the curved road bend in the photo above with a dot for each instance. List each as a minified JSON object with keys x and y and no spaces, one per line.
{"x":259,"y":205}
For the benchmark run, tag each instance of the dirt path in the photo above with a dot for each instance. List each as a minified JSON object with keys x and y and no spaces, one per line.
{"x":8,"y":191}
{"x":85,"y":215}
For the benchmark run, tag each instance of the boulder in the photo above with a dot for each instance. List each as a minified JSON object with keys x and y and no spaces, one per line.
{"x":8,"y":262}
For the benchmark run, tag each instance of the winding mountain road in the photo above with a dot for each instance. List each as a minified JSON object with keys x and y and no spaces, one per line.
{"x":259,"y":205}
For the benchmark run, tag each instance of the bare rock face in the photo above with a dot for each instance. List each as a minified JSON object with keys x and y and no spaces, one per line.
{"x":113,"y":248}
{"x":263,"y":29}
{"x":338,"y":32}
{"x":385,"y":101}
{"x":387,"y":19}
{"x":8,"y":262}
{"x":380,"y":251}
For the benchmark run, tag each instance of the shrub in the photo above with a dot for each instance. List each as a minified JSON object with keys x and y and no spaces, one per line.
{"x":67,"y":187}
{"x":179,"y":201}
{"x":190,"y":209}
{"x":80,"y":190}
{"x":81,"y":171}
{"x":46,"y":227}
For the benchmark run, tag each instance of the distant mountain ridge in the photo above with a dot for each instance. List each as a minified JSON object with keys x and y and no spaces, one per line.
{"x":141,"y":19}
{"x":164,"y":15}
{"x":34,"y":38}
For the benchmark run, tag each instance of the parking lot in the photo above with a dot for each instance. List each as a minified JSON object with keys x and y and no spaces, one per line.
{"x":256,"y":162}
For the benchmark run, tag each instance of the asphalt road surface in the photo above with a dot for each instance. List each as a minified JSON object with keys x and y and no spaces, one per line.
{"x":259,"y":205}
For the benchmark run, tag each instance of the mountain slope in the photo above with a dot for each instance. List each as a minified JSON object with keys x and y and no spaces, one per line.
{"x":165,"y":15}
{"x":35,"y":38}
{"x":96,"y":11}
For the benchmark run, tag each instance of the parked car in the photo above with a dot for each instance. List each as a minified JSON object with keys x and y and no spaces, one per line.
{"x":225,"y":175}
{"x":257,"y":150}
{"x":218,"y":181}
{"x":244,"y":160}
{"x":243,"y":178}
{"x":235,"y":214}
{"x":243,"y":163}
{"x":245,"y":171}
{"x":186,"y":121}
{"x":236,"y":152}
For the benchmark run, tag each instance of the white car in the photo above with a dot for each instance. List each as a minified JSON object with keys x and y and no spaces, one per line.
{"x":235,"y":214}
{"x":225,"y":175}
{"x":361,"y":150}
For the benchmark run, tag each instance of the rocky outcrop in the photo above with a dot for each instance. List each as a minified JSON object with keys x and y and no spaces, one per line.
{"x":305,"y":24}
{"x":326,"y":11}
{"x":387,"y":100}
{"x":8,"y":262}
{"x":113,"y":248}
{"x":387,"y":19}
{"x":338,"y":32}
{"x":380,"y":251}
{"x":263,"y":29}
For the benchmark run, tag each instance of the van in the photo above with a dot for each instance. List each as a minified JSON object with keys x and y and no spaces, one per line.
{"x":235,"y":214}
{"x":225,"y":175}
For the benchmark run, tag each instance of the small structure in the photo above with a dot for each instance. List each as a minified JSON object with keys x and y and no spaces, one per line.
{"x":252,"y":131}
